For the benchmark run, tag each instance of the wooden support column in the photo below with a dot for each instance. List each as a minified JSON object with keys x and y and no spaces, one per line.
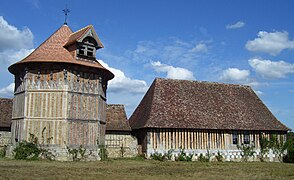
{"x":177,"y":138}
{"x":155,"y":139}
{"x":150,"y":138}
{"x":169,"y":139}
{"x":183,"y":139}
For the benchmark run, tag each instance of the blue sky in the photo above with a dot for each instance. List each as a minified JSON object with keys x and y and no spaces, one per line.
{"x":240,"y":42}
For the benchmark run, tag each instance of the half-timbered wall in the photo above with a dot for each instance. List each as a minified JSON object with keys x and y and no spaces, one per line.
{"x":61,"y":107}
{"x":162,"y":140}
{"x":186,"y":139}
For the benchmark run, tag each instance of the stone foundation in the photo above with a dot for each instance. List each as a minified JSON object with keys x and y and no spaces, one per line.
{"x":5,"y":138}
{"x":119,"y":145}
{"x":62,"y":153}
{"x":228,"y":155}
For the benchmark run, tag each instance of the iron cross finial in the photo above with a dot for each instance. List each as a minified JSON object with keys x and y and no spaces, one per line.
{"x":65,"y":11}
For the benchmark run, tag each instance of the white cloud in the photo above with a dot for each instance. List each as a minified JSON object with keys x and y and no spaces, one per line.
{"x":13,"y":38}
{"x":237,"y":25}
{"x":173,"y":72}
{"x":270,"y":42}
{"x":15,"y":44}
{"x":258,"y":92}
{"x":235,"y":75}
{"x":121,"y":83}
{"x":255,"y":84}
{"x":271,"y":69}
{"x":170,"y":50}
{"x":291,"y":91}
{"x":9,"y":57}
{"x":200,"y":47}
{"x":7,"y":91}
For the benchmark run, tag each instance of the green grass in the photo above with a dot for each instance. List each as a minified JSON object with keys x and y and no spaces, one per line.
{"x":143,"y":169}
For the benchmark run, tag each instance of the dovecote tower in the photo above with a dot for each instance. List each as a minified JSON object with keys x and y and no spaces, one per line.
{"x":60,"y":93}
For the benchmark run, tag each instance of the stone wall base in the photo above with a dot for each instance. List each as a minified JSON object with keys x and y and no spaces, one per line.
{"x":228,"y":155}
{"x":62,"y":153}
{"x":5,"y":138}
{"x":121,"y":145}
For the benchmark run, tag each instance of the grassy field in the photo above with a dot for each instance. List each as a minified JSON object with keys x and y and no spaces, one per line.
{"x":143,"y":169}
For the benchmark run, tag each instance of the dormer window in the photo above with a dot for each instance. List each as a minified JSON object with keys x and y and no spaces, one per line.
{"x":87,"y":48}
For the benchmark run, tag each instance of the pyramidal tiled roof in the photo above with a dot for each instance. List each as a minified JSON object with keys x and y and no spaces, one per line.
{"x":116,"y":118}
{"x":202,"y":105}
{"x":53,"y":50}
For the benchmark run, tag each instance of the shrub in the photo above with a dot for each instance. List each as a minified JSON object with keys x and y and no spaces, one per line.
{"x":182,"y":156}
{"x":203,"y":158}
{"x":31,"y":150}
{"x":247,"y":151}
{"x":78,"y":154}
{"x":219,"y":157}
{"x":27,"y":151}
{"x":3,"y":151}
{"x":169,"y":154}
{"x":73,"y":153}
{"x":103,"y":152}
{"x":158,"y":156}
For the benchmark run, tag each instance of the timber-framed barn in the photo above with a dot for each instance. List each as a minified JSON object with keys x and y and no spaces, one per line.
{"x":198,"y":117}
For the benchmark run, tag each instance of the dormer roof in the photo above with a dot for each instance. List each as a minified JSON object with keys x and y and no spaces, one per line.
{"x":79,"y":35}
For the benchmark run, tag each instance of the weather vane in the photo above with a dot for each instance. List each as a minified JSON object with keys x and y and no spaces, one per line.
{"x":65,"y":11}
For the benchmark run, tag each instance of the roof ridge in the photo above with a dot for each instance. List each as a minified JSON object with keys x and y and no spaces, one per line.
{"x":90,"y":25}
{"x":204,"y":82}
{"x":115,"y":104}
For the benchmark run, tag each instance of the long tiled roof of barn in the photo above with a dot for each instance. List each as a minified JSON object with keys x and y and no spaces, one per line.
{"x":202,"y":105}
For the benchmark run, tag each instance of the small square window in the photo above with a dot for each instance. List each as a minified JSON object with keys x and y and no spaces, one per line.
{"x":82,"y":50}
{"x":90,"y":51}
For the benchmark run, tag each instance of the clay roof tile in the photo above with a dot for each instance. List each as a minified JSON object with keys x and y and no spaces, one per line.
{"x":52,"y":50}
{"x":202,"y":105}
{"x":5,"y":112}
{"x":116,"y":118}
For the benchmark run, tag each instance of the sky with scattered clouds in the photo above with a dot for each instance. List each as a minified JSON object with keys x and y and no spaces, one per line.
{"x":240,"y":42}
